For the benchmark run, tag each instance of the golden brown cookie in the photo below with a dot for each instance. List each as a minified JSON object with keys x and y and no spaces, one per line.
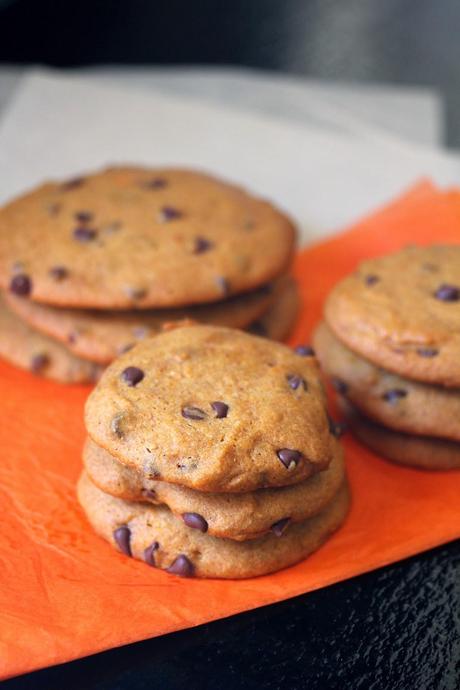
{"x":233,"y":516}
{"x":140,"y":238}
{"x":27,"y":349}
{"x":152,"y":534}
{"x":213,"y":409}
{"x":395,"y":402}
{"x":102,"y":335}
{"x":424,"y":452}
{"x":281,"y":315}
{"x":402,"y":312}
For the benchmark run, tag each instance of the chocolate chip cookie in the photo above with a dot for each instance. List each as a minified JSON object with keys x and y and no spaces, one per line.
{"x":392,"y":400}
{"x":152,"y":534}
{"x":232,"y":516}
{"x":402,"y":312}
{"x":213,"y":409}
{"x":139,"y":238}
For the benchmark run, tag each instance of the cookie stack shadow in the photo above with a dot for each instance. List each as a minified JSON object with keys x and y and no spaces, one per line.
{"x":389,"y":346}
{"x":91,"y":266}
{"x":210,"y":453}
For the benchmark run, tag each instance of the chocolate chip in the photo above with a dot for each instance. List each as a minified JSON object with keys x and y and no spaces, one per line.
{"x":223,"y":284}
{"x":258,"y":328}
{"x":447,"y":293}
{"x":181,"y":566}
{"x":195,"y":521}
{"x":115,"y":426}
{"x":154,"y":183}
{"x":58,"y":272}
{"x":73,"y":183}
{"x":337,"y":429}
{"x":168,"y":213}
{"x":201,"y":245}
{"x":289,"y":458}
{"x":295,"y":382}
{"x":122,"y":536}
{"x":427,"y":351}
{"x":149,"y":553}
{"x":39,"y":362}
{"x":371,"y":279}
{"x":304,"y":351}
{"x":393,"y":395}
{"x":278,"y":527}
{"x":149,"y":494}
{"x":220,"y":408}
{"x":83,"y":234}
{"x":132,"y":376}
{"x":191,"y":412}
{"x":339,"y":385}
{"x":83,"y":216}
{"x":21,"y":285}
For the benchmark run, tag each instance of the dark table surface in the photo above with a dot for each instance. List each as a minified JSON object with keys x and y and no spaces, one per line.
{"x":396,"y":628}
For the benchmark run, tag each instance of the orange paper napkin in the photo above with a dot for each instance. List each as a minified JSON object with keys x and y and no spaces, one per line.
{"x":65,"y":593}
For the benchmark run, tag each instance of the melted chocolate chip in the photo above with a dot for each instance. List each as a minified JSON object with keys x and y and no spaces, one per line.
{"x":191,"y":412}
{"x":202,"y":245}
{"x":132,"y":376}
{"x":83,"y":216}
{"x":223,"y":284}
{"x":392,"y":396}
{"x":168,"y":213}
{"x":220,"y":408}
{"x":278,"y":527}
{"x":39,"y":362}
{"x":195,"y":521}
{"x":155,"y":183}
{"x":289,"y":458}
{"x":58,"y":272}
{"x":73,"y":183}
{"x":447,"y":293}
{"x":296,"y":382}
{"x":258,"y":328}
{"x":122,"y":536}
{"x":339,"y":385}
{"x":371,"y":280}
{"x":337,"y":429}
{"x":304,"y":351}
{"x":181,"y":566}
{"x":149,"y":553}
{"x":427,"y":351}
{"x":83,"y":234}
{"x":21,"y":285}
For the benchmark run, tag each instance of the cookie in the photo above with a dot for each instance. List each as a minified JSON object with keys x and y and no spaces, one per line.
{"x":102,"y":335}
{"x":152,"y":534}
{"x":423,"y":452}
{"x":131,"y":237}
{"x":27,"y":349}
{"x":395,"y":402}
{"x":233,"y":516}
{"x":402,"y":312}
{"x":213,"y":409}
{"x":280,"y":317}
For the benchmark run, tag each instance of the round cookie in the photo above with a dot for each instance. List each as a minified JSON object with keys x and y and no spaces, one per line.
{"x":129,"y":237}
{"x":281,"y":315}
{"x":395,"y":402}
{"x":423,"y":452}
{"x":102,"y":335}
{"x":402,"y":312}
{"x":152,"y":534}
{"x":232,"y":516}
{"x":213,"y":409}
{"x":27,"y":349}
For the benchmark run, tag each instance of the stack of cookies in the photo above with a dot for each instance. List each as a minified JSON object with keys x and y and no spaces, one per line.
{"x":210,"y":453}
{"x":92,"y":265}
{"x":390,"y":344}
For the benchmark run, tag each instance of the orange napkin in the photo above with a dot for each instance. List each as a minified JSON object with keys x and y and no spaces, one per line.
{"x":65,"y":593}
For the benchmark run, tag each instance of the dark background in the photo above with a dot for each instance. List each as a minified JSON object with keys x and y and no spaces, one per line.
{"x":397,"y":628}
{"x":397,"y":41}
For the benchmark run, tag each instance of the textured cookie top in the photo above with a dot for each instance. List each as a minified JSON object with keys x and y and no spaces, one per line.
{"x":213,"y":409}
{"x":402,"y":312}
{"x":139,"y":238}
